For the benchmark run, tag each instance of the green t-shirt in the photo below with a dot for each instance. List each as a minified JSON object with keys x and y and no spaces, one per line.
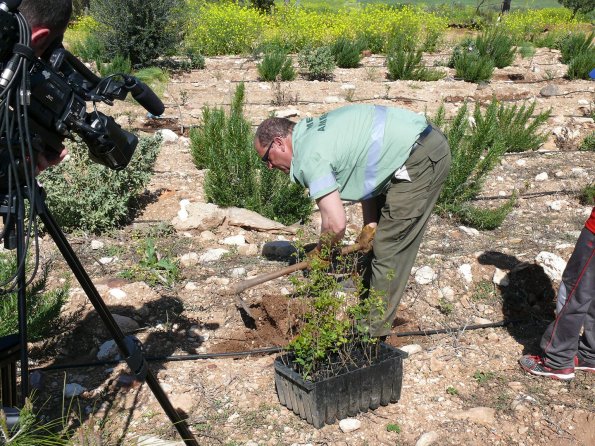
{"x":354,"y":149}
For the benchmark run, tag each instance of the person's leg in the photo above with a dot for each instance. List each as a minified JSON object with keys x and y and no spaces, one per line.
{"x":560,"y":342}
{"x":402,"y":223}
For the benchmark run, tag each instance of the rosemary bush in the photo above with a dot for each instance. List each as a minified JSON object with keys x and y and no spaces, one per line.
{"x":475,"y":152}
{"x":43,"y":307}
{"x":575,"y":44}
{"x":496,"y":45}
{"x":581,"y":65}
{"x":347,"y":52}
{"x":587,"y":195}
{"x":317,"y":63}
{"x":472,"y":67}
{"x":588,"y":144}
{"x":405,"y":63}
{"x":276,"y":63}
{"x":236,"y":177}
{"x":87,"y":196}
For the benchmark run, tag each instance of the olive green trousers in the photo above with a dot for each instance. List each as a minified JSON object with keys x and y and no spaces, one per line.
{"x":404,"y":211}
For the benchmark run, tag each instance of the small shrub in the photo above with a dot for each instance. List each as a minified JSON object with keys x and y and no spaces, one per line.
{"x":119,"y":64}
{"x":43,"y":308}
{"x":347,"y":52}
{"x":153,"y":267}
{"x":588,"y":144}
{"x":445,"y":307}
{"x":452,"y":390}
{"x":497,"y":45}
{"x":482,"y":377}
{"x":236,"y":177}
{"x":393,"y":427}
{"x":465,"y":46}
{"x":471,"y":67}
{"x":574,"y":44}
{"x":196,"y":59}
{"x":90,"y":197}
{"x":587,"y":195}
{"x":526,"y":50}
{"x":581,"y":65}
{"x":520,"y":130}
{"x":317,"y":63}
{"x":276,"y":64}
{"x":406,"y":64}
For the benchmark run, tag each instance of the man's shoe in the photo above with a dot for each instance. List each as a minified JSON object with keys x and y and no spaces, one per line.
{"x":580,"y":364}
{"x":536,"y":366}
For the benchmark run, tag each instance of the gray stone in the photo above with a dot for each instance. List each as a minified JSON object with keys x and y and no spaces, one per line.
{"x":550,"y":90}
{"x":411,"y":349}
{"x":108,"y":350}
{"x":167,"y":135}
{"x":279,"y":249}
{"x":465,"y":271}
{"x":238,"y":272}
{"x":125,"y":323}
{"x":96,"y":244}
{"x":254,"y":221}
{"x":469,"y":231}
{"x":73,"y":389}
{"x":425,"y":275}
{"x":200,"y":216}
{"x":552,"y":265}
{"x":541,"y":177}
{"x":234,"y":240}
{"x":212,"y":255}
{"x":189,"y":259}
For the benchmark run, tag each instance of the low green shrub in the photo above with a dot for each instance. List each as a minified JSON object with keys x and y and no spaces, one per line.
{"x":588,"y":144}
{"x":526,"y":50}
{"x":348,"y":53}
{"x":317,"y":63}
{"x":152,"y":266}
{"x":276,"y":64}
{"x":119,"y":64}
{"x":519,"y":129}
{"x":497,"y":45}
{"x":581,"y":65}
{"x":236,"y":176}
{"x":406,"y":64}
{"x":574,"y":44}
{"x":587,"y":195}
{"x":43,"y":307}
{"x":472,"y":67}
{"x":89,"y":197}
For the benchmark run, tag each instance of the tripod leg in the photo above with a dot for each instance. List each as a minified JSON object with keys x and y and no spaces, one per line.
{"x":122,"y":342}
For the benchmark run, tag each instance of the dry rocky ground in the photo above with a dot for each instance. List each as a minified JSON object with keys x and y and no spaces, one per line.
{"x":459,"y":388}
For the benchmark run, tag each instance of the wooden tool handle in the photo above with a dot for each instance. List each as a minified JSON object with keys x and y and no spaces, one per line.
{"x":284,"y":271}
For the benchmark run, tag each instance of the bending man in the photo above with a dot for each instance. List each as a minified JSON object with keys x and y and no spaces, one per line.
{"x":391,"y":160}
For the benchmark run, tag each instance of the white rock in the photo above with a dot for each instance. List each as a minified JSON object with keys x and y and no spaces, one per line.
{"x":552,"y":265}
{"x":465,"y":271}
{"x":447,"y":292}
{"x":189,"y":259}
{"x":411,"y":349}
{"x":234,"y":240}
{"x":288,"y":113}
{"x":108,"y":350}
{"x":349,"y":424}
{"x":332,"y":100}
{"x":579,"y":172}
{"x":200,"y":216}
{"x":428,"y":438}
{"x":469,"y":231}
{"x":521,"y":162}
{"x":481,"y":321}
{"x":212,"y":255}
{"x":207,"y":235}
{"x":183,"y":212}
{"x":125,"y":323}
{"x":541,"y":177}
{"x":583,"y":102}
{"x":238,"y":272}
{"x":167,"y":135}
{"x":97,"y":244}
{"x":106,"y":260}
{"x":347,"y":87}
{"x":73,"y":389}
{"x":248,"y":250}
{"x":479,"y":415}
{"x":501,"y":277}
{"x":557,"y":205}
{"x":233,"y":417}
{"x":425,"y":275}
{"x":117,"y":293}
{"x":191,"y":286}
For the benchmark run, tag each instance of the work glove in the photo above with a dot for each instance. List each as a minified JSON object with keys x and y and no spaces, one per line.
{"x":365,"y":238}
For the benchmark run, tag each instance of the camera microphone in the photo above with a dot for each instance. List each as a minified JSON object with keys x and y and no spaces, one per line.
{"x":144,"y":95}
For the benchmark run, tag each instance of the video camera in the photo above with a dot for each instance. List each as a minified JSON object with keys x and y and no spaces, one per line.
{"x":47,"y":98}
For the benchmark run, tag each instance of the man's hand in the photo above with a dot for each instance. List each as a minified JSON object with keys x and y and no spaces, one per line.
{"x":43,"y":162}
{"x":365,"y":238}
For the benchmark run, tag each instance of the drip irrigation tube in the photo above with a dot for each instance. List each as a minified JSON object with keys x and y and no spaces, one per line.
{"x":267,"y":350}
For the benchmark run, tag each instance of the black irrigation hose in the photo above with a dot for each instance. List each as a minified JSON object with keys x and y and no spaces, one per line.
{"x":266,"y":350}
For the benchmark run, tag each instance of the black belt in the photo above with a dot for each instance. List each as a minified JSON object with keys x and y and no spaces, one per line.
{"x":421,"y":137}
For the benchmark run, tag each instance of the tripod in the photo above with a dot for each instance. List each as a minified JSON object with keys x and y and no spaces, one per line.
{"x":12,"y":209}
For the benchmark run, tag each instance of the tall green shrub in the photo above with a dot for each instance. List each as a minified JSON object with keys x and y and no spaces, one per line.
{"x":575,"y":44}
{"x":404,"y":61}
{"x":223,"y":144}
{"x":476,"y":150}
{"x":276,"y":63}
{"x":497,"y":45}
{"x":347,"y":52}
{"x":581,"y":65}
{"x":87,"y":196}
{"x":472,"y":67}
{"x":141,"y":30}
{"x":317,"y":63}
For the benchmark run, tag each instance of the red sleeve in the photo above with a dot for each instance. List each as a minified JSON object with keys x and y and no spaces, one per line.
{"x":590,"y":224}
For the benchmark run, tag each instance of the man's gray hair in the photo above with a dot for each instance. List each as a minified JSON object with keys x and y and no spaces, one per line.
{"x":270,"y":128}
{"x":51,"y":14}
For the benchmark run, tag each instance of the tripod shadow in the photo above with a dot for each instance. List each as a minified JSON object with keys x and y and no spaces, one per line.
{"x":528,"y":299}
{"x":113,"y":389}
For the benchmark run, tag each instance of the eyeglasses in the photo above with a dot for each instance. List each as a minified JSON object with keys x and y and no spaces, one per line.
{"x":265,"y":157}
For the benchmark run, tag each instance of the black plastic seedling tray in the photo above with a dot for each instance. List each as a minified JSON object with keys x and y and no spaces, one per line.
{"x":343,"y":395}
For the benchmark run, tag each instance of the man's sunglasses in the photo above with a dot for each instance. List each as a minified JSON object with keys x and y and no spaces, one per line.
{"x":265,"y":157}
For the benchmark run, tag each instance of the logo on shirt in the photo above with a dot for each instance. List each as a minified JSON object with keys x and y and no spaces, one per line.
{"x":322,"y":122}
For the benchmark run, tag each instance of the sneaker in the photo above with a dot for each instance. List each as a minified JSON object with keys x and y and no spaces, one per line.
{"x":580,"y":364}
{"x":535,"y":366}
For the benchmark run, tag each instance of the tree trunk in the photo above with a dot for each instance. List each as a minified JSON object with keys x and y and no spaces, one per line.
{"x":505,"y":6}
